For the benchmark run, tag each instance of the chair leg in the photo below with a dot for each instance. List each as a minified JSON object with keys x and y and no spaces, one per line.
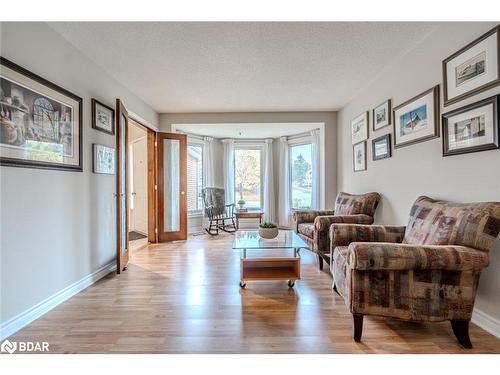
{"x":320,"y":263}
{"x":357,"y":326}
{"x":461,"y":331}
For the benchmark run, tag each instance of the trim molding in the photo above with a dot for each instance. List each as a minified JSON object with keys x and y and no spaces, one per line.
{"x":21,"y":320}
{"x":486,"y":322}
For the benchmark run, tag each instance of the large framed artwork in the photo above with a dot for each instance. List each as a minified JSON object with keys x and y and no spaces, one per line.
{"x":103,"y":117}
{"x":103,"y":159}
{"x":359,"y":156}
{"x":417,"y":119}
{"x":40,"y":122}
{"x":382,"y":115}
{"x":381,"y":147}
{"x":359,"y":128}
{"x":472,"y":69}
{"x":472,"y":128}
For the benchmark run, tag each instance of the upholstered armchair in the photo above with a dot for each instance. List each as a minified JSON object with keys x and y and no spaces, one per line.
{"x":426,"y":271}
{"x":313,"y":226}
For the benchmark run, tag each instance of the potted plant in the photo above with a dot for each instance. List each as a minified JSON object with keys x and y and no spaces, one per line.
{"x":241,"y":203}
{"x":268,"y":230}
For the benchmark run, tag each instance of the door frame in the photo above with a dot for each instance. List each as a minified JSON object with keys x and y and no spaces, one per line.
{"x":151,"y":188}
{"x":151,"y":177}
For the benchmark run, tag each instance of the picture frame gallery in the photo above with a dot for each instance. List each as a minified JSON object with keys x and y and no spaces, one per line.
{"x":41,"y":123}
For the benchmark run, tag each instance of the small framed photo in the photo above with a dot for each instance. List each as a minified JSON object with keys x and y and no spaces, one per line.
{"x":359,"y":156}
{"x":359,"y":128}
{"x":417,"y":119}
{"x":103,"y":159}
{"x":381,"y":116}
{"x":381,"y":147}
{"x":472,"y":69}
{"x":103,"y":117}
{"x":471,"y":128}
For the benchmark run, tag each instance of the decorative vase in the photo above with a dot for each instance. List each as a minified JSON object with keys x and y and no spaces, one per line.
{"x":268,"y":233}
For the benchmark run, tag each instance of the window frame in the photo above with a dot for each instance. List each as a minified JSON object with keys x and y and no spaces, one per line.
{"x":292,"y":143}
{"x":197,"y":143}
{"x":250,"y":146}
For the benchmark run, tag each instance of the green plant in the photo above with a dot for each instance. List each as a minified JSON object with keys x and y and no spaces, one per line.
{"x":267,"y":224}
{"x":241,"y":202}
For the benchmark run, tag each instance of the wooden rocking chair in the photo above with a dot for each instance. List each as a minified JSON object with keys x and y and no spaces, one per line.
{"x":217,"y":211}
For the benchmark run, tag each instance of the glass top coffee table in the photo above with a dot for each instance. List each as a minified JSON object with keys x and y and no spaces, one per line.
{"x":283,"y":267}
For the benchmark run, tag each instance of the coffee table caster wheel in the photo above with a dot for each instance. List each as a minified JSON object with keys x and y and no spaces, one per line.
{"x":243,"y":284}
{"x":291,"y":283}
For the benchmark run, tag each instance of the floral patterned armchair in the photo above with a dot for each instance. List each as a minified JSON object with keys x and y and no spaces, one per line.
{"x":426,"y":271}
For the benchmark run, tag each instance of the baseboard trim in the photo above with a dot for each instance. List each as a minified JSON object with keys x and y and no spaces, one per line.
{"x":486,"y":322}
{"x":21,"y":320}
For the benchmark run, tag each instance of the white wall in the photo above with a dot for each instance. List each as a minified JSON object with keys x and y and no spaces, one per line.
{"x":420,"y":169}
{"x":57,"y":227}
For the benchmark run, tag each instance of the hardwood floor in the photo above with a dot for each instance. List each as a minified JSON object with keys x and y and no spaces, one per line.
{"x":184,"y":298}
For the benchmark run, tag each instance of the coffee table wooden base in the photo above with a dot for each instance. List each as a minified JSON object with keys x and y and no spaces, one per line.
{"x":259,"y":269}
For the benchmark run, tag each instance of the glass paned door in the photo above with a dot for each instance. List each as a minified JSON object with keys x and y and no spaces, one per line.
{"x":172,"y":184}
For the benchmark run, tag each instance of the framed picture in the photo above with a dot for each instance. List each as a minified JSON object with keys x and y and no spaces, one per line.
{"x":417,"y":119}
{"x":381,"y":147}
{"x":103,"y":159}
{"x":359,"y":156}
{"x":473,"y":69}
{"x":40,"y":122}
{"x":103,"y":117}
{"x":381,"y":116}
{"x":359,"y":128}
{"x":471,"y":128}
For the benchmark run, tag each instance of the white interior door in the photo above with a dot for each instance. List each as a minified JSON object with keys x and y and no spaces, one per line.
{"x":139,"y":206}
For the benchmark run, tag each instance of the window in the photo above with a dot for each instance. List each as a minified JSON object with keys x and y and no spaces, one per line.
{"x":194,"y":178}
{"x":248,"y":176}
{"x":301,"y":176}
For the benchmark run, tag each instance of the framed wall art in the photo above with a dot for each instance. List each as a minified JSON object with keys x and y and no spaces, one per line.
{"x":103,"y":117}
{"x":359,"y":156}
{"x":103,"y":159}
{"x":417,"y":119}
{"x":472,"y":69}
{"x":381,"y":116}
{"x":381,"y":147}
{"x":359,"y":128}
{"x":471,"y":128}
{"x":40,"y":122}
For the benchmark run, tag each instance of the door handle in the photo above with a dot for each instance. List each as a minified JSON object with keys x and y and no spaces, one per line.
{"x":134,"y":193}
{"x":182,"y":193}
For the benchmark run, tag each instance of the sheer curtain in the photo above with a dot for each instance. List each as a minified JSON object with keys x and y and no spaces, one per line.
{"x":228,"y":165}
{"x":269,"y":198}
{"x":284,"y":214}
{"x":315,"y":169}
{"x":208,"y":162}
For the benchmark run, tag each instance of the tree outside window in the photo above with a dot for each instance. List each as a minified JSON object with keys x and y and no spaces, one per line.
{"x":247,"y":176}
{"x":301,"y":176}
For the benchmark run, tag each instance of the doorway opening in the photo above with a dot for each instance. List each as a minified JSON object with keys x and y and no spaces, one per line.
{"x":138,"y":185}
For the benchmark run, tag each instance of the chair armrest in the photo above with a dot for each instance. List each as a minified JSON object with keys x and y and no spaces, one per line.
{"x":389,"y":256}
{"x":322,"y":223}
{"x":308,"y":216}
{"x":344,"y":234}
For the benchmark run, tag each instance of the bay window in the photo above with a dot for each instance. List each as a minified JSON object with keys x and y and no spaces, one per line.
{"x":248,"y":175}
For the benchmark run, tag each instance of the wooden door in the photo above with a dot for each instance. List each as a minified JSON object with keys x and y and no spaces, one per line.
{"x":122,"y":249}
{"x":171,"y":162}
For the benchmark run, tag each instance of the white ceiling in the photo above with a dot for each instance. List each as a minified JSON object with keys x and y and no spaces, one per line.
{"x":247,"y":130}
{"x":230,"y":67}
